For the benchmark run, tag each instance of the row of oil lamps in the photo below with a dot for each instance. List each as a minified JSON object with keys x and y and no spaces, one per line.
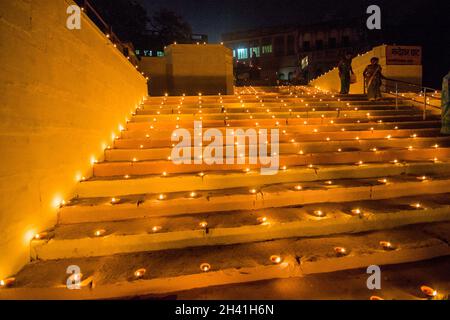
{"x":140,"y":273}
{"x":193,"y":194}
{"x":161,"y":197}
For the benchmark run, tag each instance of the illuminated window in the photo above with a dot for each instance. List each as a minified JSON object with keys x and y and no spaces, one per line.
{"x":242,"y":53}
{"x":255,"y":50}
{"x":234,"y":53}
{"x":160,"y":54}
{"x":267,"y":49}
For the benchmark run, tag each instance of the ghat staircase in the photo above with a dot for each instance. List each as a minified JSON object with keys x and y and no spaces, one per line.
{"x":360,"y":183}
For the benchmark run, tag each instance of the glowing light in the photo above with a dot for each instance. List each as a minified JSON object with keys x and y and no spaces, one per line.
{"x":422,"y":178}
{"x":114,"y":201}
{"x":386,"y":245}
{"x":356,"y":211}
{"x":40,"y":236}
{"x":205,"y":267}
{"x":140,"y":273}
{"x":58,"y":202}
{"x":100,"y":232}
{"x":193,"y":194}
{"x":319,"y":213}
{"x":298,"y":188}
{"x":203,"y":224}
{"x":329,"y":182}
{"x":340,"y":251}
{"x":276,"y":259}
{"x":156,"y":229}
{"x":428,"y":291}
{"x":262,"y":220}
{"x":162,"y":197}
{"x":383,"y":181}
{"x":6,"y":283}
{"x":416,"y":205}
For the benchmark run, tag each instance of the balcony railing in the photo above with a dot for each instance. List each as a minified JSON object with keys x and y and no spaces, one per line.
{"x":126,"y":49}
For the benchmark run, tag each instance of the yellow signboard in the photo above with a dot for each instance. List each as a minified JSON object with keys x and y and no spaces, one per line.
{"x":403,"y":55}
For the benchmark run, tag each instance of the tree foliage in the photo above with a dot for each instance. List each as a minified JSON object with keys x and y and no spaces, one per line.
{"x":128,"y":19}
{"x":167,"y":27}
{"x":131,"y":23}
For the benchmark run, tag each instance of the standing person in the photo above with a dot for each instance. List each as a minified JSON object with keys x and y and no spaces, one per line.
{"x":446,"y":105}
{"x":372,"y":77}
{"x":345,"y":72}
{"x":254,"y":65}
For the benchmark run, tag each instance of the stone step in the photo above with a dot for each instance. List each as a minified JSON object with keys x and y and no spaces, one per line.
{"x":141,"y":153}
{"x":305,"y":127}
{"x":259,"y":109}
{"x":163,"y":233}
{"x":268,"y":123}
{"x":268,"y":100}
{"x":135,"y":167}
{"x":109,"y":187}
{"x":274,"y":115}
{"x":313,"y":135}
{"x":257,"y":197}
{"x":179,"y":270}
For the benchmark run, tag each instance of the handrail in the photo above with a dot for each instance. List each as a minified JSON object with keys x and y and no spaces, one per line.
{"x":411,"y":84}
{"x":423,"y":90}
{"x":125,"y":49}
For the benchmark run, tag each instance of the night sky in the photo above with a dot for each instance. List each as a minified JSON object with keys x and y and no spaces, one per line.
{"x":217,"y":17}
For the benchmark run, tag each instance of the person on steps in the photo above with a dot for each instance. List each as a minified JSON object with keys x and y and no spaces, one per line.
{"x":345,"y":73}
{"x":373,"y":76}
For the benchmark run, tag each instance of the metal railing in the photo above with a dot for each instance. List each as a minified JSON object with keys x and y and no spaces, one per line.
{"x":399,"y":87}
{"x":126,"y":49}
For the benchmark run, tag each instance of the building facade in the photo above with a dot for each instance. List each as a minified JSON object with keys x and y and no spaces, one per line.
{"x":298,"y":53}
